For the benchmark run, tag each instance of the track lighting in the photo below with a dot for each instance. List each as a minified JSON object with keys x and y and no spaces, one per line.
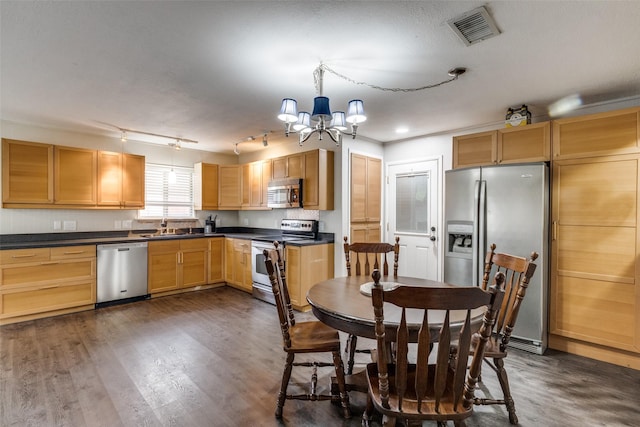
{"x":235,"y":149}
{"x":264,"y":140}
{"x":175,"y":142}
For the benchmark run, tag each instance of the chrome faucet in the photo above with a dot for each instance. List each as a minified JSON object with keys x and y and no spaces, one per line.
{"x":163,"y":226}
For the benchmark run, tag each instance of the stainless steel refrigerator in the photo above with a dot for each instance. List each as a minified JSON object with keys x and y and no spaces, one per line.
{"x":507,"y":205}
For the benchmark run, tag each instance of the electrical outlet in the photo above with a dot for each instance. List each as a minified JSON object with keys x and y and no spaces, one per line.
{"x":321,"y":225}
{"x":245,"y":221}
{"x":126,"y":224}
{"x":69,"y":225}
{"x":57,"y":225}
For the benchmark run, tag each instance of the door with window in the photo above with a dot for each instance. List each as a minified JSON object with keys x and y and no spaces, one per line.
{"x":412,"y":207}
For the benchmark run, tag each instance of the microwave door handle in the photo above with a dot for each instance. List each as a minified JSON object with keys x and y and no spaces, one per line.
{"x":289,"y":196}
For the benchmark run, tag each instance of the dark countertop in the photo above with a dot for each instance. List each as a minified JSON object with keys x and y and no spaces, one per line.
{"x":49,"y":240}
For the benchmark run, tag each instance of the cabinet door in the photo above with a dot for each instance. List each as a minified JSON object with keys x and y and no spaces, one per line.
{"x":109,"y":178}
{"x":216,"y":260}
{"x":374,"y":189}
{"x":245,"y":200}
{"x":256,"y":184}
{"x":133,"y":180}
{"x":266,"y":177}
{"x":193,"y":261}
{"x":531,"y":143}
{"x":475,"y":149}
{"x":288,"y":167}
{"x":229,"y":186}
{"x":229,"y":260}
{"x":27,"y":172}
{"x":318,"y":182}
{"x":163,"y":266}
{"x":75,"y":176}
{"x":366,"y":232}
{"x":594,"y":252}
{"x":205,"y":186}
{"x":279,"y":168}
{"x":366,"y":188}
{"x":609,"y":133}
{"x":306,"y":266}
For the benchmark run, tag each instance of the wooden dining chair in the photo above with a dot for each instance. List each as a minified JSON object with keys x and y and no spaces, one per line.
{"x":368,"y":257}
{"x":518,"y":272}
{"x":442,"y":390}
{"x":302,"y":337}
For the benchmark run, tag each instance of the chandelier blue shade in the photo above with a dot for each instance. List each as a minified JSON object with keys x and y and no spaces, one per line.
{"x":321,"y":108}
{"x":324,"y":122}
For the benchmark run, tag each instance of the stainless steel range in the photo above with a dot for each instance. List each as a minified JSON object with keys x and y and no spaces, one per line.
{"x":291,"y":230}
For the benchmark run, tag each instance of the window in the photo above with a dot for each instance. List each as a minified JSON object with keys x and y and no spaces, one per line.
{"x":412,"y":203}
{"x":168,"y":192}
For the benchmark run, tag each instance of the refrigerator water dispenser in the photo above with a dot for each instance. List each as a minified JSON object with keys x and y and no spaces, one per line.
{"x":460,"y":238}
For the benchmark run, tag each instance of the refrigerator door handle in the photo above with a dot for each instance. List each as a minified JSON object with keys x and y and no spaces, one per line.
{"x":476,"y":229}
{"x":482,"y":231}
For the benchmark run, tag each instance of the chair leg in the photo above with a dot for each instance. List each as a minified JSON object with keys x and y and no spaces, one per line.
{"x":286,"y":375}
{"x":344,"y":397}
{"x":350,"y":349}
{"x":366,"y":415}
{"x":504,"y":383}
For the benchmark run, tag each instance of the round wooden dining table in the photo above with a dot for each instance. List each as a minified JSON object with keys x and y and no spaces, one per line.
{"x":340,"y":303}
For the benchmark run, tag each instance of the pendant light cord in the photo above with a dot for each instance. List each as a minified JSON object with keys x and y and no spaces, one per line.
{"x":317,"y":74}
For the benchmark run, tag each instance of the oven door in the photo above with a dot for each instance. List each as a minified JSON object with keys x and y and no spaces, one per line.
{"x":261,"y":283}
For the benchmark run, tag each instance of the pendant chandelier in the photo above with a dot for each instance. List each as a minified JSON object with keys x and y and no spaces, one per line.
{"x":333,"y":124}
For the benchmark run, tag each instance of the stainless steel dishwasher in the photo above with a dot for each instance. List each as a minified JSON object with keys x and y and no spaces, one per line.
{"x":122,"y":272}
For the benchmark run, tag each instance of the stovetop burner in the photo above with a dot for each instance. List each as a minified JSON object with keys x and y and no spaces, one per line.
{"x":293,"y":229}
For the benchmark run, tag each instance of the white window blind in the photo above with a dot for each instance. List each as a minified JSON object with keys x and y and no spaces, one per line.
{"x":168,"y":192}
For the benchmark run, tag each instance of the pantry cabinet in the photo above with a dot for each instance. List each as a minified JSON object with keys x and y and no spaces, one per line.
{"x":306,"y":266}
{"x":521,"y":144}
{"x":177,"y":263}
{"x":42,"y":282}
{"x":595,"y":265}
{"x":366,"y":198}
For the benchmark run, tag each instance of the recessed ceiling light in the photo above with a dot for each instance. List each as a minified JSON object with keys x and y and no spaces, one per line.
{"x":402,"y":129}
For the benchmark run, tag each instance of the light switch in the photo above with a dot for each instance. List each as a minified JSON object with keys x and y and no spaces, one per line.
{"x":57,"y":225}
{"x":126,"y":224}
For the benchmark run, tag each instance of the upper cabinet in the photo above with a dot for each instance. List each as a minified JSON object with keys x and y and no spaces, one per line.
{"x":205,"y":186}
{"x":255,"y":178}
{"x":531,"y":143}
{"x":615,"y":132}
{"x":120,"y":180}
{"x":36,"y":175}
{"x":291,"y":166}
{"x":27,"y":173}
{"x":75,"y":176}
{"x":229,"y":187}
{"x":317,"y":187}
{"x":366,"y":198}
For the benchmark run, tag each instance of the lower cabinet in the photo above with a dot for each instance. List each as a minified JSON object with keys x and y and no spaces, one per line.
{"x":216,"y":260}
{"x":175,"y":264}
{"x":238,"y":264}
{"x":42,"y":282}
{"x":306,"y":266}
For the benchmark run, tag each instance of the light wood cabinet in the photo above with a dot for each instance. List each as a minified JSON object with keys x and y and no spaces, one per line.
{"x":306,"y":266}
{"x":205,"y":186}
{"x":75,"y":176}
{"x":366,"y":198}
{"x":229,"y":187}
{"x":615,"y":132}
{"x":317,"y":187}
{"x":216,"y":260}
{"x":531,"y":143}
{"x":238,"y":264}
{"x":120,"y":180}
{"x":27,"y":172}
{"x":291,"y":166}
{"x":42,"y":282}
{"x":177,"y":263}
{"x":366,"y":232}
{"x":259,"y":175}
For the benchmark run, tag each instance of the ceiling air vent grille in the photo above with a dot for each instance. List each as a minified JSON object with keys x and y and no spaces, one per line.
{"x":474,"y":26}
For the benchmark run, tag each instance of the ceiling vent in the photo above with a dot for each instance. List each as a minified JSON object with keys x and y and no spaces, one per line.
{"x":474,"y":26}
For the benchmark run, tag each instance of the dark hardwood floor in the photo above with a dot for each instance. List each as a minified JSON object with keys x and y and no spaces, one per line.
{"x":214,"y":358}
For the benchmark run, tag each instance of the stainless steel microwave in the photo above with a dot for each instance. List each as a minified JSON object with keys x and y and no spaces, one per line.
{"x":285,"y":193}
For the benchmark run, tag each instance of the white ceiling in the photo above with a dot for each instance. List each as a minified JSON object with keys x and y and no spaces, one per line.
{"x":216,"y":71}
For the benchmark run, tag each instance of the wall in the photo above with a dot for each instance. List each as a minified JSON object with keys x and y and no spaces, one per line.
{"x":18,"y":221}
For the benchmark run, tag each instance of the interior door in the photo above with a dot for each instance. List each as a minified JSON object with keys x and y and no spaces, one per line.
{"x":412,"y":214}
